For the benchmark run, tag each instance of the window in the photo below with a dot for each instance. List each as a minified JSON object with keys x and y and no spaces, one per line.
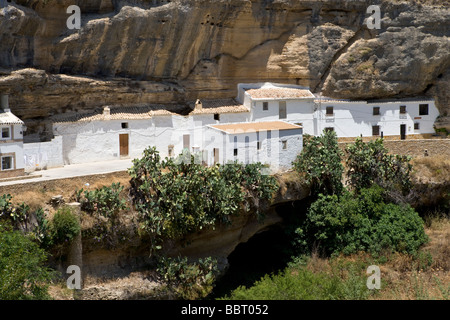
{"x":6,"y":133}
{"x":265,"y":106}
{"x":376,"y":111}
{"x":423,"y":109}
{"x":217,"y":116}
{"x":284,"y":144}
{"x":171,"y":150}
{"x":402,"y":109}
{"x":283,"y":111}
{"x":258,"y":145}
{"x":7,"y":163}
{"x":235,"y":152}
{"x":329,"y":129}
{"x":124,"y":125}
{"x":416,"y":126}
{"x":375,"y":130}
{"x":330,"y":111}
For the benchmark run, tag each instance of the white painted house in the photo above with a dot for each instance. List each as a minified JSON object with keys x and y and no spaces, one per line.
{"x":275,"y":143}
{"x":390,"y":119}
{"x":11,"y":142}
{"x":349,"y":119}
{"x":265,"y":123}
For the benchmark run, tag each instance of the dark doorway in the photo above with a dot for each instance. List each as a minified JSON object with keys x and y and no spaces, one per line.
{"x":403,"y":131}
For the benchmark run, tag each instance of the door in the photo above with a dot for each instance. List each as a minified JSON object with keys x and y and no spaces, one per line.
{"x":403,"y":131}
{"x":187,"y":142}
{"x":282,"y":108}
{"x":216,"y":155}
{"x":123,"y":141}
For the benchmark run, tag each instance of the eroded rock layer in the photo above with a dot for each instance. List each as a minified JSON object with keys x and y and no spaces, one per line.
{"x":154,"y":51}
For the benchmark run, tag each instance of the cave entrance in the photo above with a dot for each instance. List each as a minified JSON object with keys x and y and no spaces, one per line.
{"x":267,"y":252}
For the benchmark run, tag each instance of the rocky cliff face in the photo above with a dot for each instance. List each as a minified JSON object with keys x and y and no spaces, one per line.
{"x":131,"y":51}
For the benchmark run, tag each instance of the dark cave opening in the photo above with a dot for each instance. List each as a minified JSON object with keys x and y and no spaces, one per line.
{"x":267,"y":252}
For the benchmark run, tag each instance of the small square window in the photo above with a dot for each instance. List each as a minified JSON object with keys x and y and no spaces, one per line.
{"x":265,"y":106}
{"x":217,"y":116}
{"x":7,"y":163}
{"x":330,"y":111}
{"x":402,"y":109}
{"x":376,"y":111}
{"x":6,"y":133}
{"x":423,"y":109}
{"x":375,"y":130}
{"x":235,"y":152}
{"x":329,"y":129}
{"x":416,"y":126}
{"x":124,"y":125}
{"x":284,"y":144}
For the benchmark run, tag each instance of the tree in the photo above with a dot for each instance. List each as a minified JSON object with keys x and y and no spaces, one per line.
{"x":23,"y":274}
{"x":320,"y":161}
{"x":369,"y":163}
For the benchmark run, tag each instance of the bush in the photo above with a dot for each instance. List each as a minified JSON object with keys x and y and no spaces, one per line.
{"x":104,"y":201}
{"x":361,"y":222}
{"x":188,"y":280}
{"x":300,"y":283}
{"x":175,"y":198}
{"x":369,"y":164}
{"x":23,"y":273}
{"x":320,"y":161}
{"x":65,"y":226}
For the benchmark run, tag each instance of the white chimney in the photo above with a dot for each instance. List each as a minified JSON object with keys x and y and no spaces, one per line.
{"x":106,"y":111}
{"x":198,"y":105}
{"x":4,"y":103}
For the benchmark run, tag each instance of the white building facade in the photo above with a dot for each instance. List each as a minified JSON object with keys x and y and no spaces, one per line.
{"x":11,"y":142}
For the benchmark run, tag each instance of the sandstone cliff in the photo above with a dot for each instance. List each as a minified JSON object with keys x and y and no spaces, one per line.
{"x":156,"y":51}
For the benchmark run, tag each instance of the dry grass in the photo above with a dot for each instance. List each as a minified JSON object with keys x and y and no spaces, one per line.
{"x":433,"y":169}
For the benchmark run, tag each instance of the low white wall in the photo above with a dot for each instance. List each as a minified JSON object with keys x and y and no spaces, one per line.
{"x":43,"y":155}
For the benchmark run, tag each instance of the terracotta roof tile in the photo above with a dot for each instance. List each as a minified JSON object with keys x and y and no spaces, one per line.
{"x":247,"y":127}
{"x":116,"y":113}
{"x":279,"y":93}
{"x":219,"y":106}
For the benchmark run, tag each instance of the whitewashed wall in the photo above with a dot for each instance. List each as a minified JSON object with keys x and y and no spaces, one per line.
{"x":352,"y":119}
{"x":17,"y":149}
{"x":43,"y":155}
{"x":270,"y":152}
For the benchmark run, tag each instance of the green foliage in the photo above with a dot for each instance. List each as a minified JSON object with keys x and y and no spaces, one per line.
{"x":23,"y":274}
{"x":320,"y":161}
{"x":369,"y":163}
{"x":299,"y":283}
{"x":188,"y":280}
{"x":65,"y":226}
{"x":42,"y":231}
{"x":105,"y":201}
{"x":176,"y":198}
{"x":361,"y":222}
{"x":5,"y":206}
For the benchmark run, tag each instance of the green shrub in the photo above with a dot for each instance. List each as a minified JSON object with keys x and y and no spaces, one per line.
{"x":23,"y":273}
{"x":361,"y":222}
{"x":299,"y":283}
{"x":320,"y":161}
{"x":105,"y":201}
{"x":369,"y":164}
{"x":188,"y":280}
{"x":65,"y":226}
{"x":175,"y":198}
